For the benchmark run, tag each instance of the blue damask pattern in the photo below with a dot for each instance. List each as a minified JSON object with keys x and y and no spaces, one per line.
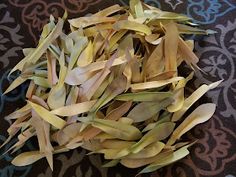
{"x":207,"y":11}
{"x":11,"y":170}
{"x":18,"y":94}
{"x":202,"y":11}
{"x":153,"y":3}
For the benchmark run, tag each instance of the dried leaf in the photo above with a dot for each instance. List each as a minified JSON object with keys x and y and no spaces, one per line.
{"x":47,"y":116}
{"x":193,"y":98}
{"x":83,"y":22}
{"x":18,"y":81}
{"x":117,"y":129}
{"x":201,"y":114}
{"x":131,"y":25}
{"x":177,"y":155}
{"x":74,"y":109}
{"x":144,"y":96}
{"x":154,"y":84}
{"x":159,"y":132}
{"x":149,"y":151}
{"x":145,"y":110}
{"x":41,"y":48}
{"x":86,"y":57}
{"x":171,"y":46}
{"x":102,"y":81}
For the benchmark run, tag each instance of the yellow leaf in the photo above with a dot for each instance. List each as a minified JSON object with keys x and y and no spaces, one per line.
{"x":86,"y":57}
{"x":18,"y":81}
{"x":117,"y":129}
{"x":74,"y":109}
{"x":83,"y":22}
{"x":130,"y":25}
{"x":193,"y":98}
{"x":154,"y":84}
{"x":171,"y":46}
{"x":201,"y":114}
{"x":47,"y":116}
{"x":41,"y":48}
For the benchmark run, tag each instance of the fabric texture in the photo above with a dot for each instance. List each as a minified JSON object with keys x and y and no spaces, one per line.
{"x":214,"y":154}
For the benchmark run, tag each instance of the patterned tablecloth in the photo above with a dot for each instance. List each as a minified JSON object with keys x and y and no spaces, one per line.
{"x":213,"y":155}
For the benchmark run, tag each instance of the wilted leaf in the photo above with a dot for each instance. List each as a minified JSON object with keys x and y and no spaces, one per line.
{"x":193,"y":98}
{"x":117,"y":129}
{"x":144,"y":96}
{"x":131,"y":25}
{"x":177,"y":155}
{"x":201,"y":114}
{"x":145,"y":110}
{"x":47,"y":116}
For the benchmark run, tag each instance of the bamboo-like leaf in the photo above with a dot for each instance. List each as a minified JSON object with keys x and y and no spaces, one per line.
{"x":154,"y":84}
{"x":40,"y":81}
{"x":136,"y":8}
{"x":57,"y":95}
{"x":51,"y":69}
{"x":196,"y":95}
{"x":27,"y":158}
{"x":74,"y":109}
{"x":116,"y":37}
{"x":80,"y":74}
{"x":144,"y":96}
{"x":31,"y":89}
{"x":86,"y":56}
{"x":188,"y":54}
{"x":177,"y":155}
{"x":117,"y":86}
{"x":47,"y":116}
{"x":149,"y":151}
{"x":19,"y":113}
{"x":160,"y":132}
{"x":42,"y":130}
{"x":201,"y":114}
{"x":18,"y":81}
{"x":145,"y":110}
{"x":116,"y":144}
{"x":117,"y":129}
{"x":108,"y":11}
{"x":91,"y":85}
{"x":72,"y":96}
{"x":113,"y":115}
{"x":179,"y":95}
{"x":38,"y":52}
{"x":136,"y":163}
{"x":131,"y":25}
{"x":162,"y":119}
{"x":83,"y":22}
{"x":108,"y":153}
{"x":171,"y":46}
{"x":76,"y":51}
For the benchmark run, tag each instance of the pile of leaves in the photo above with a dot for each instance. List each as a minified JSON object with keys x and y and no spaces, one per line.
{"x":110,"y":85}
